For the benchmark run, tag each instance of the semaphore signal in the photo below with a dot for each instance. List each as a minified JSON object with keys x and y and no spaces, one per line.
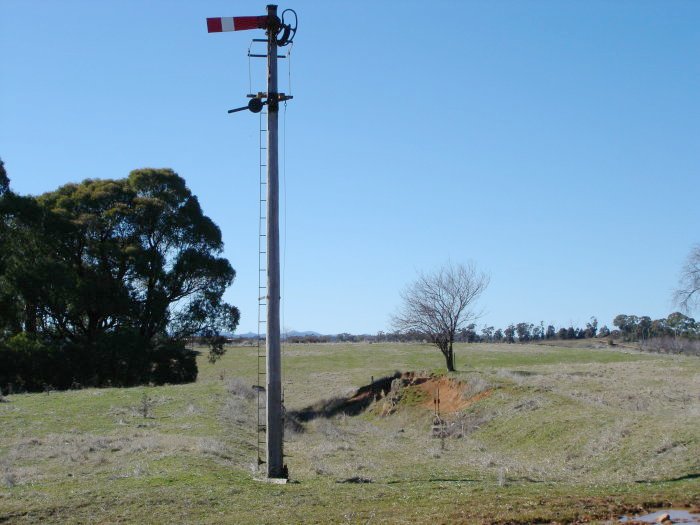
{"x":236,"y":23}
{"x":278,"y":34}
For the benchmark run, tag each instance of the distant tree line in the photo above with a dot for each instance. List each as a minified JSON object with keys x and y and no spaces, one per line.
{"x":642,"y":328}
{"x":102,"y":282}
{"x":627,"y":328}
{"x":513,"y":333}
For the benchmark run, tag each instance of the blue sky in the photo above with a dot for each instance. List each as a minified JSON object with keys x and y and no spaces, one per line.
{"x":556,"y":144}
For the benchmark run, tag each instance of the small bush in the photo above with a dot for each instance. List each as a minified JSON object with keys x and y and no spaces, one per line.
{"x":238,"y":387}
{"x":475,"y":385}
{"x":147,"y":404}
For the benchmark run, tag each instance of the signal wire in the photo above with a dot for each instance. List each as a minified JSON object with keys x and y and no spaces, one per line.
{"x":284,"y":214}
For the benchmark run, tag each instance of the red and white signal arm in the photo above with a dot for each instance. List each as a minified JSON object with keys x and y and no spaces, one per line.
{"x":235,"y":23}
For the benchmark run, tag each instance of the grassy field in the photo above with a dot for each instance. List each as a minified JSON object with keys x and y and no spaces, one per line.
{"x":552,"y":435}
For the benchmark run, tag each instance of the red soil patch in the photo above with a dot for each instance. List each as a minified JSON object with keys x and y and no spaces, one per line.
{"x":450,"y":392}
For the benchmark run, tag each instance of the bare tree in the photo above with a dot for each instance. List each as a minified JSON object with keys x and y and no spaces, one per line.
{"x":687,"y":294}
{"x":439,"y":304}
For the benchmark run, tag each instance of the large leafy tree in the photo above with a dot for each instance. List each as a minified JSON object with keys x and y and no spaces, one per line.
{"x":135,"y":254}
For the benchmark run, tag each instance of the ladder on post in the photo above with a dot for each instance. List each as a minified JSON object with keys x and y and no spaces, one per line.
{"x":262,"y":264}
{"x":262,"y":293}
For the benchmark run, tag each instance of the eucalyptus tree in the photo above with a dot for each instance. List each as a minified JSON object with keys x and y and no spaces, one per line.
{"x":103,"y":256}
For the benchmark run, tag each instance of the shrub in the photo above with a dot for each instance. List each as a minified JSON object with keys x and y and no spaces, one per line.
{"x":672,"y":345}
{"x":29,"y":363}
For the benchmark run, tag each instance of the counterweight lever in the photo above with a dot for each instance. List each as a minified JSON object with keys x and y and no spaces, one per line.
{"x":255,"y":105}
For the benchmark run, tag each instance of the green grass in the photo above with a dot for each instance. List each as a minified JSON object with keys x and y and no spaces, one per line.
{"x":567,"y":434}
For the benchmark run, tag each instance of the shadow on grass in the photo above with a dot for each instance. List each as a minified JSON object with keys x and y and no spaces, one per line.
{"x":351,"y":406}
{"x":434,"y":480}
{"x":695,"y":475}
{"x":511,"y":481}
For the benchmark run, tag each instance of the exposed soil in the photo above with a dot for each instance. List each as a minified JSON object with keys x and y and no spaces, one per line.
{"x":450,"y":393}
{"x":409,"y":387}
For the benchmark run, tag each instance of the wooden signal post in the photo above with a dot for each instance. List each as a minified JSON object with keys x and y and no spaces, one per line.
{"x":275,"y":422}
{"x":278,"y":34}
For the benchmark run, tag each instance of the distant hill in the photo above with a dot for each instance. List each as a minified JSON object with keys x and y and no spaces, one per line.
{"x":294,"y":333}
{"x":246,"y":335}
{"x":291,"y":333}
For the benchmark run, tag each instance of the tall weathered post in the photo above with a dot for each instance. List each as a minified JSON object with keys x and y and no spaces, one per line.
{"x":278,"y":34}
{"x":274,"y":423}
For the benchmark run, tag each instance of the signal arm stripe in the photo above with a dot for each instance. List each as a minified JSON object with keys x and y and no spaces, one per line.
{"x":227,"y":23}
